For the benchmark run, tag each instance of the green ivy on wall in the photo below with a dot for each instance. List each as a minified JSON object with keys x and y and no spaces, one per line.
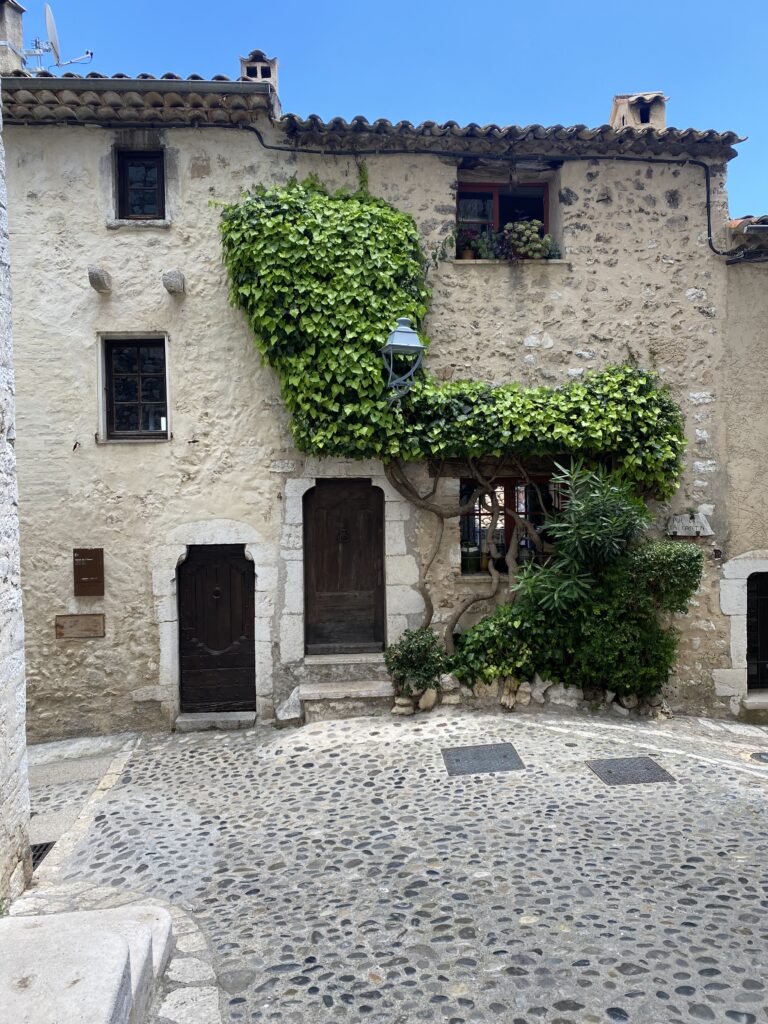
{"x":322,"y":278}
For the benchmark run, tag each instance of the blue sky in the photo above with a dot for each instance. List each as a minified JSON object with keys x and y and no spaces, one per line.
{"x":549,"y":62}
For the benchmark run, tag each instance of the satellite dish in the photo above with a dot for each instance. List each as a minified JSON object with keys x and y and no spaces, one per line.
{"x":53,"y":35}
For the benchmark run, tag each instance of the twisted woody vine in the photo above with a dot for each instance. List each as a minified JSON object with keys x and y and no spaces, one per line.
{"x":321,"y":278}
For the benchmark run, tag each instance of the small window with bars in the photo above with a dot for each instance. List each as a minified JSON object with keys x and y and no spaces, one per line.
{"x":137,"y":404}
{"x":532,"y":501}
{"x":140,"y":185}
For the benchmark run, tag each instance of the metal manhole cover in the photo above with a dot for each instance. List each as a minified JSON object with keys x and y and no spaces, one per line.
{"x":761,"y":756}
{"x":485,"y":757}
{"x":629,"y":771}
{"x":39,"y":852}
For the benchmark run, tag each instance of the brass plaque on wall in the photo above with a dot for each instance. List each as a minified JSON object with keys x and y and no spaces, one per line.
{"x":88,"y":570}
{"x":79,"y":627}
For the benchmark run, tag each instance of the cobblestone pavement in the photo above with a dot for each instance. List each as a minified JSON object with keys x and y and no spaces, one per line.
{"x":337,"y":873}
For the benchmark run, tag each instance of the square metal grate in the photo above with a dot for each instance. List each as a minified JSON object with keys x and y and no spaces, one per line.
{"x":485,"y":757}
{"x":629,"y":771}
{"x":39,"y":852}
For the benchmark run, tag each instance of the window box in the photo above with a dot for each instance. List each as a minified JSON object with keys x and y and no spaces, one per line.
{"x":492,"y":221}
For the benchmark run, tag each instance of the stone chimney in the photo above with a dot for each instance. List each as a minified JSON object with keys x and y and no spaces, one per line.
{"x":11,"y":38}
{"x":258,"y":67}
{"x":639,"y":110}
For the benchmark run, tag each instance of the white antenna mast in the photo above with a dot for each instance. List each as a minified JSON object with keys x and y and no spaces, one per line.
{"x":51,"y":45}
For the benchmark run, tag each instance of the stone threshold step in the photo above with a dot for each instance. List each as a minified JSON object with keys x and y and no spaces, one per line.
{"x":85,"y":967}
{"x":199,"y":721}
{"x":365,"y":689}
{"x":755,"y":700}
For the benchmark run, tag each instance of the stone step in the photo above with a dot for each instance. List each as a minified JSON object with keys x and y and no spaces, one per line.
{"x":349,"y":699}
{"x":84,"y":967}
{"x":201,"y":721}
{"x":337,"y":668}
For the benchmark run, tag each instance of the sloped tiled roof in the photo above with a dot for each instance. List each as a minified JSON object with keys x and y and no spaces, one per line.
{"x":172,"y":100}
{"x":631,"y":140}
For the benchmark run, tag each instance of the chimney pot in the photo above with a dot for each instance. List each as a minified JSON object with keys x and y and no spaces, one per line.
{"x":639,"y":110}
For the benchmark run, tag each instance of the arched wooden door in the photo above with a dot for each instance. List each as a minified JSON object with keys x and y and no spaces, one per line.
{"x":216,"y":629}
{"x":344,"y":567}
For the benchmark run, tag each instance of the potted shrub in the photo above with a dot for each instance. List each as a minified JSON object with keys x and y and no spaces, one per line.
{"x":415,"y":664}
{"x":466,"y":243}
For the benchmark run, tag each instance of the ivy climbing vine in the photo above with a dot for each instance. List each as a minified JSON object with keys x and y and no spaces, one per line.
{"x":321,"y":279}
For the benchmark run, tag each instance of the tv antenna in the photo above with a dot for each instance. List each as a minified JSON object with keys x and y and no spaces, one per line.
{"x":51,"y":45}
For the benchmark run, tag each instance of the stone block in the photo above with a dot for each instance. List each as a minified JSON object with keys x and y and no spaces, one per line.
{"x":730,"y":682}
{"x":539,"y":688}
{"x":742,"y":568}
{"x":733,"y":597}
{"x":291,"y":638}
{"x":568,"y":696}
{"x":294,"y":588}
{"x":147,"y":693}
{"x":394,"y":538}
{"x":401,"y":569}
{"x":289,"y":712}
{"x":403,"y":599}
{"x":739,"y":641}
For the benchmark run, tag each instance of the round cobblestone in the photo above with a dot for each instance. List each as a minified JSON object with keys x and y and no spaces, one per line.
{"x":339,"y":873}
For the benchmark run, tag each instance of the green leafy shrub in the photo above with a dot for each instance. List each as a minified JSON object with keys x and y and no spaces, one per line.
{"x":591,"y":616}
{"x":415,"y":662}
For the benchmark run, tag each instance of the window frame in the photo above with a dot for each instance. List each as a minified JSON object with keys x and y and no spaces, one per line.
{"x":106,"y":433}
{"x":497,"y":187}
{"x":122,"y":160}
{"x":510,"y":484}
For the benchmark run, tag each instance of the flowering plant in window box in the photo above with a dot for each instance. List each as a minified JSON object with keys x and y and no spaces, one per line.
{"x":523,"y":240}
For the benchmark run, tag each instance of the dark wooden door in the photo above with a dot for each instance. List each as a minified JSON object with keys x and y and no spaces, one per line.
{"x":216,"y":639}
{"x":757,"y":631}
{"x":344,"y":567}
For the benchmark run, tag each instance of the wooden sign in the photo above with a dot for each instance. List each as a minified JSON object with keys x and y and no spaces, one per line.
{"x":88,"y":569}
{"x":79,"y":627}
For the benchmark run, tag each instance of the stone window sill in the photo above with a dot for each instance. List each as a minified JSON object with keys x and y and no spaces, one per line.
{"x":137,"y":225}
{"x":505,"y":263}
{"x":134,"y":440}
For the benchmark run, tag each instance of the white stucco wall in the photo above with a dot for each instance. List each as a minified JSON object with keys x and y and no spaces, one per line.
{"x":15,"y":864}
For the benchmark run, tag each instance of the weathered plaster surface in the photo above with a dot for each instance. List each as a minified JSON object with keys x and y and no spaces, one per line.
{"x":637,"y":280}
{"x":15,"y":863}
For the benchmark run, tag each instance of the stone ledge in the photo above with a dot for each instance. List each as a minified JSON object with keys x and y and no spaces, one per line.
{"x":87,"y":967}
{"x":343,"y":659}
{"x":199,"y":721}
{"x":755,"y":700}
{"x":367,"y":689}
{"x":508,"y":263}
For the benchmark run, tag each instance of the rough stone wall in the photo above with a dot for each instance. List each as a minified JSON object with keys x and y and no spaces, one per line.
{"x":637,"y":280}
{"x":743,"y":388}
{"x":15,"y":863}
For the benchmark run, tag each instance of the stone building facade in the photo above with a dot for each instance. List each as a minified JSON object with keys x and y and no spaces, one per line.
{"x":639,"y":213}
{"x":15,"y":859}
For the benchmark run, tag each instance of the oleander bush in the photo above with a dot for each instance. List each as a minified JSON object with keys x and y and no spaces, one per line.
{"x":596,"y":613}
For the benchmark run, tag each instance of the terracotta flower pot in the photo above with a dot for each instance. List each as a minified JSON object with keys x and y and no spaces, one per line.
{"x":467,"y":254}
